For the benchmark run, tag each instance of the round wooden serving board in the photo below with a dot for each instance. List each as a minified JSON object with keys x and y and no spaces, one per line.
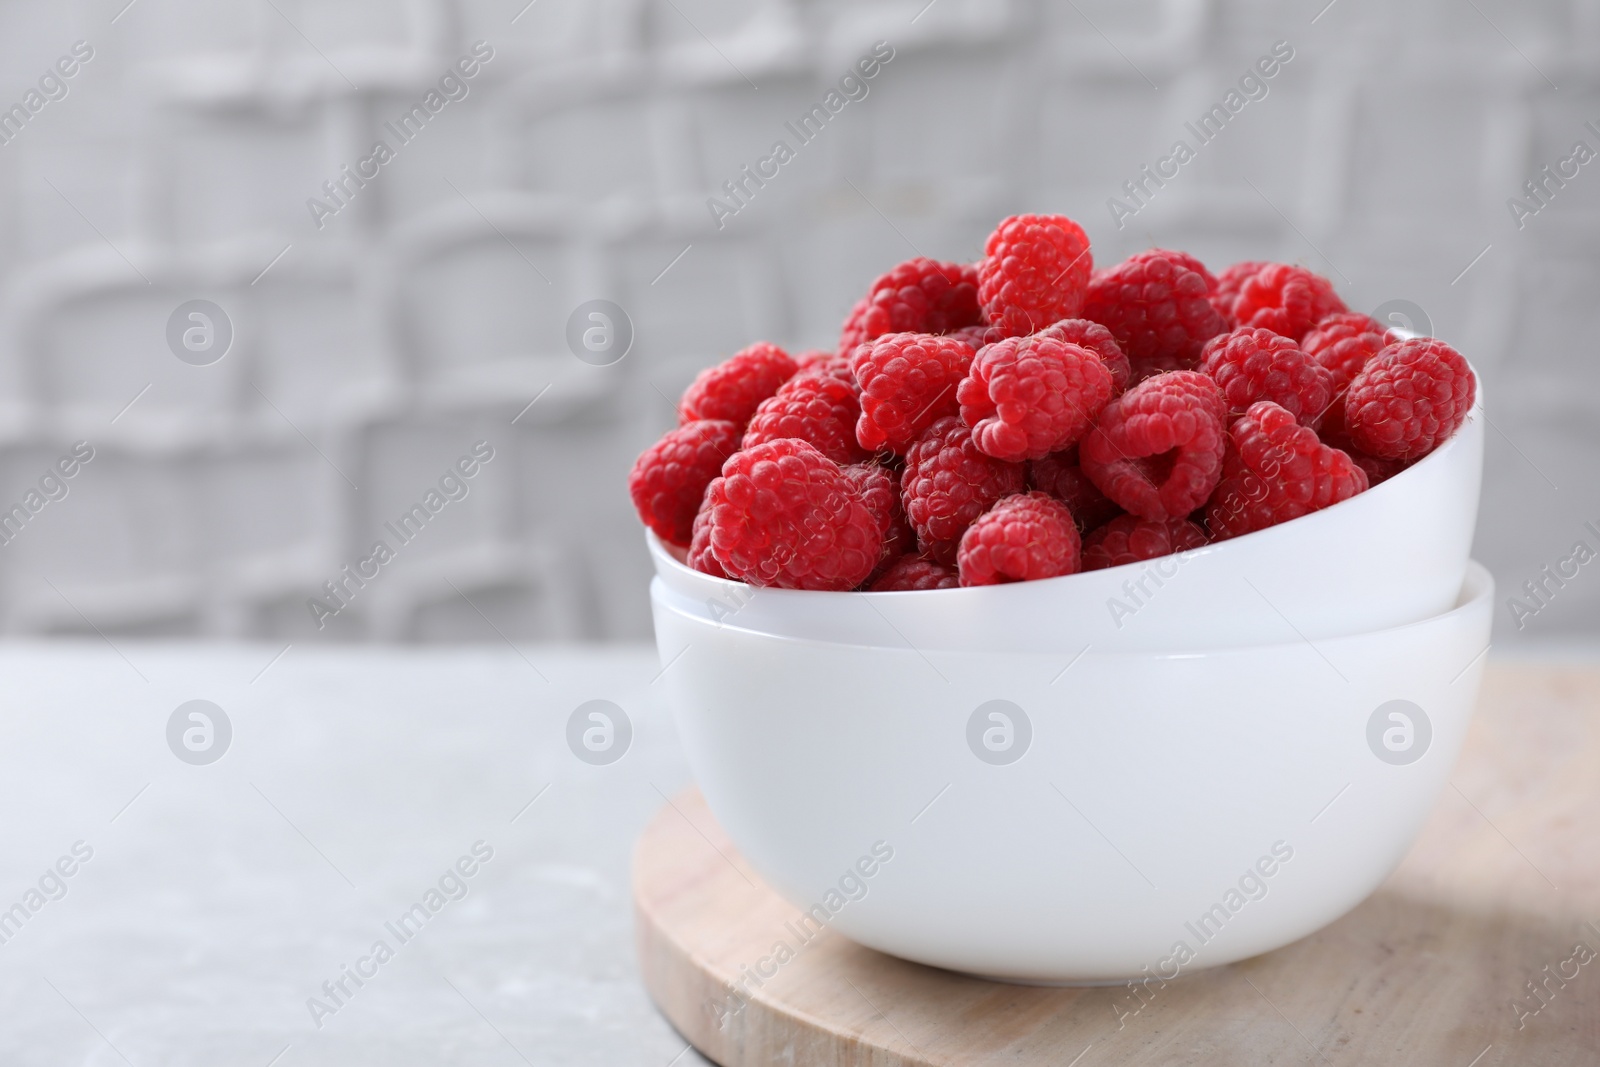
{"x":1500,"y":894}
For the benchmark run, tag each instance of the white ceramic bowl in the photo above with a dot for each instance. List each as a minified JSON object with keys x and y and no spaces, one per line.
{"x":1153,"y":794}
{"x":1391,"y":555}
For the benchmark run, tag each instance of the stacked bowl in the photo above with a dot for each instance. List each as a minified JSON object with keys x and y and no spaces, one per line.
{"x":1126,"y":773}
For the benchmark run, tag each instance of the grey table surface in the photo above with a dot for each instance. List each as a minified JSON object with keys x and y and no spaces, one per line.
{"x":218,"y":898}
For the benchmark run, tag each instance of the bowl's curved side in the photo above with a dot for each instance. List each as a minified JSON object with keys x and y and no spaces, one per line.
{"x":1168,"y":811}
{"x":1394,"y":554}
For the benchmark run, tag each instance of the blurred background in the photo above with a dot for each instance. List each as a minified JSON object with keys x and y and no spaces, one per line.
{"x":369,"y":343}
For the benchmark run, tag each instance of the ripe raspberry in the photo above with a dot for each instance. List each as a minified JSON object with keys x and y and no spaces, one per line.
{"x":975,"y":337}
{"x":812,"y":356}
{"x":670,"y":477}
{"x":1129,"y":539}
{"x":919,"y":296}
{"x":1023,"y":537}
{"x":1228,"y":284}
{"x":1035,"y":271}
{"x":1378,"y":469}
{"x":1157,"y":305}
{"x":815,"y":406}
{"x":1276,"y":470}
{"x":1157,"y":450}
{"x":1026,"y":397}
{"x":1343,"y":342}
{"x":732,"y":389}
{"x":784,"y":514}
{"x":832,"y":367}
{"x":1408,"y":398}
{"x":1097,"y":339}
{"x":1285,"y":299}
{"x":1059,"y":475}
{"x":948,"y":483}
{"x":880,"y":492}
{"x":907,"y":381}
{"x":1254,"y":364}
{"x":700,"y":557}
{"x":913,"y":572}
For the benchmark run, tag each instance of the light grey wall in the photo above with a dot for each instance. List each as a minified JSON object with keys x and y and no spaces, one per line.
{"x":372,"y":352}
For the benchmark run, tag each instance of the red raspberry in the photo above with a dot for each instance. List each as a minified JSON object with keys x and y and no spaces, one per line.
{"x":812,"y":356}
{"x":1343,"y":342}
{"x":1021,"y":538}
{"x":913,"y":572}
{"x":1157,"y":305}
{"x":832,"y":367}
{"x":907,"y":381}
{"x":975,"y":337}
{"x":816,"y":406}
{"x":784,"y":514}
{"x":919,"y":296}
{"x":1254,"y":364}
{"x":1228,"y":284}
{"x":1285,"y":299}
{"x":1035,"y":271}
{"x":1276,"y":470}
{"x":669,"y":478}
{"x":700,"y":556}
{"x":948,"y":483}
{"x":1378,"y":469}
{"x":732,"y":389}
{"x":880,"y":491}
{"x":1060,"y":476}
{"x":1157,"y":450}
{"x":1408,"y":398}
{"x":1130,"y":539}
{"x":1097,"y":339}
{"x":1026,"y":397}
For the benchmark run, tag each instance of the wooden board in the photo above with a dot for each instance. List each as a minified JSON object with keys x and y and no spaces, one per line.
{"x":1432,"y":969}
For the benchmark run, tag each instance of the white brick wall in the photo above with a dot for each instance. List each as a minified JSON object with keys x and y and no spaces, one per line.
{"x":426,"y":314}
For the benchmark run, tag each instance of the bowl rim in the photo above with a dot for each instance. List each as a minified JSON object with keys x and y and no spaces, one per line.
{"x":1477,"y":590}
{"x":667,"y":556}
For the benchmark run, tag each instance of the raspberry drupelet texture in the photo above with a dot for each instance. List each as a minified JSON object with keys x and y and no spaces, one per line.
{"x":1035,"y":271}
{"x":700,"y":555}
{"x":975,"y":337}
{"x":1157,"y":449}
{"x":1285,"y":299}
{"x":1276,"y":470}
{"x":1378,"y":469}
{"x":1022,"y":538}
{"x":732,"y":389}
{"x":911,"y":572}
{"x":1228,"y":284}
{"x":1157,"y":304}
{"x":1343,"y":342}
{"x":880,"y":491}
{"x":816,"y":405}
{"x":812,"y":356}
{"x":918,"y":296}
{"x":669,"y":478}
{"x":1253,"y":364}
{"x":1130,"y":539}
{"x":783,"y":514}
{"x":948,"y":483}
{"x":1026,"y":397}
{"x":907,"y":381}
{"x":1097,"y":339}
{"x":1408,"y":398}
{"x":1059,"y":475}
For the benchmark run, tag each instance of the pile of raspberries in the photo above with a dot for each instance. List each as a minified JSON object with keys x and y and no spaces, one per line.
{"x":1026,"y":417}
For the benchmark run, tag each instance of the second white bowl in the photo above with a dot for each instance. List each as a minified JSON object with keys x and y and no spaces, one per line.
{"x":1049,"y":818}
